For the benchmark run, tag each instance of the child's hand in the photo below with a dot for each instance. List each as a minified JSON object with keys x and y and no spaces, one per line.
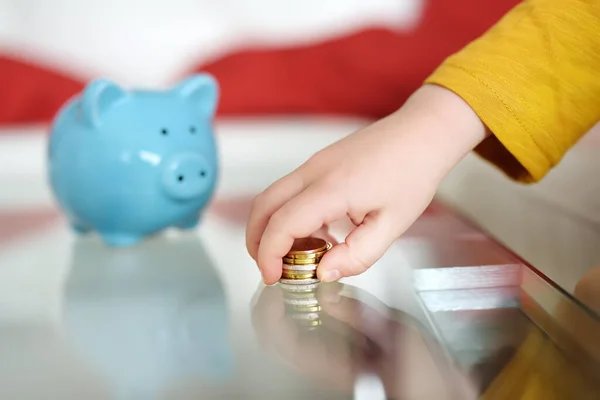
{"x":382,"y":177}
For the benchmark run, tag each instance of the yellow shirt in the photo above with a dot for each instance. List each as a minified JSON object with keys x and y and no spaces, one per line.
{"x":534,"y":80}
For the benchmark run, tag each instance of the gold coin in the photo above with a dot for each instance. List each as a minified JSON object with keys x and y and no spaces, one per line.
{"x":307,"y":309}
{"x":298,"y":275}
{"x":303,"y":309}
{"x":309,"y":255}
{"x":311,"y":324}
{"x":292,"y":270}
{"x":308,"y":324}
{"x":312,"y":256}
{"x":300,"y":261}
{"x":307,"y":246}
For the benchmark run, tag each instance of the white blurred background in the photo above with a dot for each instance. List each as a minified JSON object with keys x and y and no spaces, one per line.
{"x":147,"y":42}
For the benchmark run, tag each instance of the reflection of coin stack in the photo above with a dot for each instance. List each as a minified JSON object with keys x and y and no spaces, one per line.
{"x":301,"y":304}
{"x":300,"y":263}
{"x":299,"y":280}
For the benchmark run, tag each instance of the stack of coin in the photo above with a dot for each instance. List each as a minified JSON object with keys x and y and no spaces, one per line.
{"x":300,"y":263}
{"x":301,"y":305}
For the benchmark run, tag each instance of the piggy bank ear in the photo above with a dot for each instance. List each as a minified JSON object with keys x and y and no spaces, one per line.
{"x":98,"y":97}
{"x":202,"y":90}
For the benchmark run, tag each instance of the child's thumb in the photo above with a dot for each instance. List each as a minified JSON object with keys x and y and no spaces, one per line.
{"x":362,"y":248}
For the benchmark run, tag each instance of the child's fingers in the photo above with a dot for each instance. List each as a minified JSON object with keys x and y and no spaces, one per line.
{"x":324,"y":234}
{"x":363,"y":247}
{"x":299,"y":217}
{"x":266,"y":203}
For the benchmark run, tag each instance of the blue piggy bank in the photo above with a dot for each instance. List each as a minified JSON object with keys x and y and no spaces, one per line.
{"x":130,"y":163}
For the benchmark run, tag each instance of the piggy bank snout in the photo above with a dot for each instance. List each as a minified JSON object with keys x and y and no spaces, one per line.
{"x":187,"y":176}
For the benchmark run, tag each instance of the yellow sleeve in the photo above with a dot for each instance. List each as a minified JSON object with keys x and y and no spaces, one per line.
{"x":534,"y":80}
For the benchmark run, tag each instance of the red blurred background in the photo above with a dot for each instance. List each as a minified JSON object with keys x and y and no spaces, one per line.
{"x":341,"y":57}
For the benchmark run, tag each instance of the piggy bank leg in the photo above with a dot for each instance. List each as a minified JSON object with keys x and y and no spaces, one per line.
{"x":189,"y":223}
{"x":120,"y":239}
{"x":80,"y":228}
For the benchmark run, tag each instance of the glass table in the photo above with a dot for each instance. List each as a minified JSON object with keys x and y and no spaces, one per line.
{"x":447,"y":313}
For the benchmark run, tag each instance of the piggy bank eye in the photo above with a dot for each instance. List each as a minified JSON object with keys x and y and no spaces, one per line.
{"x":192,"y":129}
{"x":164,"y":132}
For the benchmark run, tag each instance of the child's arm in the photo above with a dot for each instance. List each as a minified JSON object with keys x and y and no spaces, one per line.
{"x":534,"y":80}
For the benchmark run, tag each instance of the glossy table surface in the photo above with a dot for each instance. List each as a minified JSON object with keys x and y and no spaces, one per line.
{"x":446,"y":313}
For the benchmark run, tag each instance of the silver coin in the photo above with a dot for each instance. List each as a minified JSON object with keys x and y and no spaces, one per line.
{"x":296,"y":289}
{"x":299,"y":295}
{"x":297,"y":282}
{"x":300,"y":267}
{"x":302,"y":302}
{"x":306,"y":316}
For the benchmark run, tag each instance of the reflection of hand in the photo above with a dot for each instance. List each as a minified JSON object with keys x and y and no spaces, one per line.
{"x":587,"y":289}
{"x":354,"y":339}
{"x":585,"y":326}
{"x":565,"y":369}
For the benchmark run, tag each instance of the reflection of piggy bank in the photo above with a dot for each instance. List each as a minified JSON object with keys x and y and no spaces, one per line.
{"x":130,"y":163}
{"x":150,"y":316}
